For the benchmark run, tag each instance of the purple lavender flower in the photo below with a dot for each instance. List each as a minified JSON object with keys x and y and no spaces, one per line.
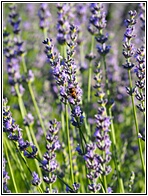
{"x":100,"y":24}
{"x":13,"y":50}
{"x":15,"y":133}
{"x":142,"y":14}
{"x":49,"y":163}
{"x":76,"y":186}
{"x":97,"y":19}
{"x":5,"y":177}
{"x":36,"y":180}
{"x":30,"y":77}
{"x":28,"y":120}
{"x":140,"y":82}
{"x":129,"y":49}
{"x":31,"y":154}
{"x":14,"y":19}
{"x":64,"y":71}
{"x":109,"y":190}
{"x":63,"y":24}
{"x":44,"y":15}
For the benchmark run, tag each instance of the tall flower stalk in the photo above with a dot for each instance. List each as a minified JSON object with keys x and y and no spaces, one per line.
{"x":93,"y":30}
{"x":128,"y":53}
{"x":98,"y":153}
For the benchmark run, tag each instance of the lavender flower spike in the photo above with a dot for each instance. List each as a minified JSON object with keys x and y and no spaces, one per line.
{"x":49,"y":163}
{"x":64,"y":71}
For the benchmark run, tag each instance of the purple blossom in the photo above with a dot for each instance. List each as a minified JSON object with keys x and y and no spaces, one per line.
{"x":129,"y":49}
{"x":63,"y":24}
{"x":102,"y":50}
{"x":28,"y":120}
{"x":36,"y":180}
{"x":128,"y":34}
{"x":109,"y":190}
{"x":14,"y":19}
{"x":5,"y":177}
{"x":44,"y":14}
{"x":31,"y":154}
{"x":97,"y":19}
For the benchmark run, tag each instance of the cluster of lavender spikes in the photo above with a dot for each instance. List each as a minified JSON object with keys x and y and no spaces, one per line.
{"x":49,"y":163}
{"x":13,"y":51}
{"x":97,"y":164}
{"x":14,"y":133}
{"x":64,"y":71}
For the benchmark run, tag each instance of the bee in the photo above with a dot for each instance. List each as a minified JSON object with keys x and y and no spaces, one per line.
{"x":73,"y":93}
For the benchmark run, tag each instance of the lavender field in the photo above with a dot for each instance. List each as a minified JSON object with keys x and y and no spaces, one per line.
{"x":74,"y":98}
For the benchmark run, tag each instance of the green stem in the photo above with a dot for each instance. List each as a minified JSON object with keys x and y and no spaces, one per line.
{"x":104,"y":176}
{"x":69,"y":146}
{"x":18,"y":163}
{"x":24,"y":64}
{"x":64,"y":182}
{"x":10,"y":167}
{"x":136,"y":123}
{"x":116,"y":162}
{"x":106,"y":77}
{"x":103,"y":187}
{"x":35,"y":141}
{"x":33,"y":98}
{"x":86,"y":126}
{"x":63,"y":124}
{"x":21,"y":105}
{"x":90,"y":71}
{"x":36,"y":108}
{"x":39,"y":189}
{"x":45,"y":33}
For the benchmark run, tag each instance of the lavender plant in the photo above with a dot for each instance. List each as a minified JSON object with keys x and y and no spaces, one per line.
{"x":91,"y":146}
{"x":97,"y":163}
{"x":128,"y":52}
